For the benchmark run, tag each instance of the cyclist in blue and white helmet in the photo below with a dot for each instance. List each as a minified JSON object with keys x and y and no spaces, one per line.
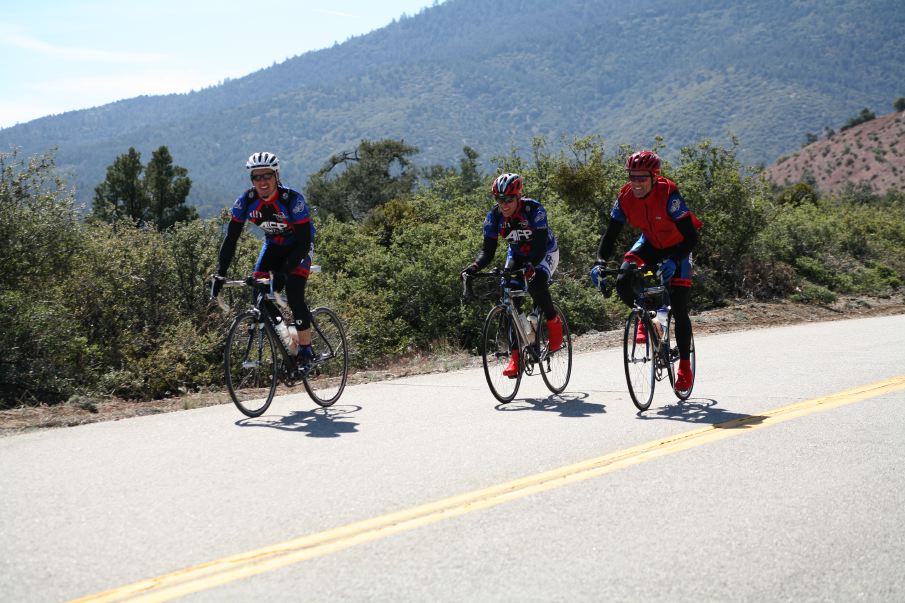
{"x":283,"y":215}
{"x":264,"y":160}
{"x":522,"y":223}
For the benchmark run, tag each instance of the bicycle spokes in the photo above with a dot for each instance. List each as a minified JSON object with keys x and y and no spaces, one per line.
{"x":556,"y":367}
{"x":496,"y":355}
{"x":251,"y":365}
{"x":640,"y":364}
{"x":326,"y":377}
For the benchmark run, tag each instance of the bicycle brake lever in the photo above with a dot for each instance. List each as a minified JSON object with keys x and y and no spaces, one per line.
{"x":467,"y":292}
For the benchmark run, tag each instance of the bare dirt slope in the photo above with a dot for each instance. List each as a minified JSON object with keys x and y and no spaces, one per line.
{"x":740,"y":316}
{"x":871,"y":153}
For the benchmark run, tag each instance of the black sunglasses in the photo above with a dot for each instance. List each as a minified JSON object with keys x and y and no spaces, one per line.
{"x":506,"y":198}
{"x":256,"y":177}
{"x":638,"y":178}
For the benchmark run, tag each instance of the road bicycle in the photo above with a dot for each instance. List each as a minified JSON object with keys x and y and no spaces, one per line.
{"x":256,"y":359}
{"x":507,"y":328}
{"x":657,"y":357}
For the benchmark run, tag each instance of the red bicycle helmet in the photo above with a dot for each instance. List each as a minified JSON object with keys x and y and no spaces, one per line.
{"x":507,"y":184}
{"x":644,"y":160}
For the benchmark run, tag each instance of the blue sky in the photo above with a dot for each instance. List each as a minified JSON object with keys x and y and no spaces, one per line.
{"x":59,"y":55}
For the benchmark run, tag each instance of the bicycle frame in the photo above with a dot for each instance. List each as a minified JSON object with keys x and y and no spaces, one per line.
{"x":324,"y":375}
{"x":505,"y":336}
{"x":262,"y":293}
{"x":507,"y":302}
{"x":646,"y":362}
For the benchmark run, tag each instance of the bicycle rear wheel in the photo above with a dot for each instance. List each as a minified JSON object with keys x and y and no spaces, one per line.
{"x":674,"y":363}
{"x":251,"y":364}
{"x":495,"y":342}
{"x":640,"y":368}
{"x":555,"y":367}
{"x":326,"y":379}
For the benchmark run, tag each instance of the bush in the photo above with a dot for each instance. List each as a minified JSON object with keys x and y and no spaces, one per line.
{"x":734,"y":207}
{"x":813,"y":294}
{"x":115,"y":309}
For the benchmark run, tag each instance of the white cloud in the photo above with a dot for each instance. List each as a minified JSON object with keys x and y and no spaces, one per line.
{"x":334,"y":13}
{"x":16,"y":39}
{"x":23,"y":111}
{"x":136,"y":84}
{"x":42,"y":98}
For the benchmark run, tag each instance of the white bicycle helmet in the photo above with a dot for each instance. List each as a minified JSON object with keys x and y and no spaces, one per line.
{"x":264,"y":159}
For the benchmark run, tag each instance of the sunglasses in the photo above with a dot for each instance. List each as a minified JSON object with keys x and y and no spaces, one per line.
{"x":506,"y":199}
{"x":256,"y":177}
{"x":635,"y":178}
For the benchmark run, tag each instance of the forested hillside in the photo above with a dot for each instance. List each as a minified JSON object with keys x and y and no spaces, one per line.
{"x":492,"y":75}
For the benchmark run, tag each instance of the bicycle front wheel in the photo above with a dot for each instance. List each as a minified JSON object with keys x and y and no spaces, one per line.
{"x":555,"y":367}
{"x":674,"y":363}
{"x":495,"y":341}
{"x":326,"y":379}
{"x":640,"y":368}
{"x":251,"y":364}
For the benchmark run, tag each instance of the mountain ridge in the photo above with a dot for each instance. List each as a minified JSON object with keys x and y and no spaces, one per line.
{"x":493,"y":76}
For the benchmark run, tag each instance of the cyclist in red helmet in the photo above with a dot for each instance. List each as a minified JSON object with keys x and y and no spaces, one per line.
{"x":653,"y":205}
{"x":522,"y":222}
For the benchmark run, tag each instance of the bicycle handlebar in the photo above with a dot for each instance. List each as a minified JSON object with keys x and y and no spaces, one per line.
{"x":250,"y":281}
{"x":499,"y":273}
{"x":646,"y":270}
{"x":467,"y":284}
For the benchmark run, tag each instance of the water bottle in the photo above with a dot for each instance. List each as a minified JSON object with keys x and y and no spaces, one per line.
{"x":294,"y":338}
{"x":532,"y":327}
{"x":662,"y":318}
{"x":283,"y":332}
{"x":526,"y":324}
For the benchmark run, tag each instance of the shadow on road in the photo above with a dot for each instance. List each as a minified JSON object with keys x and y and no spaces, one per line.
{"x":317,"y":423}
{"x":703,"y":411}
{"x":567,"y":405}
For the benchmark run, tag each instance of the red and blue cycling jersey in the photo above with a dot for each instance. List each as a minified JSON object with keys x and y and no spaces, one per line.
{"x":518,"y":230}
{"x":275,"y":217}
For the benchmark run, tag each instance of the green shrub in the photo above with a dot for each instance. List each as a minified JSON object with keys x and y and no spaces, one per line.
{"x":813,"y":294}
{"x":112,"y":309}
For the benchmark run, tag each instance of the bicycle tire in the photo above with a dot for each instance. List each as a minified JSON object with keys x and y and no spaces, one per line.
{"x":674,"y":363}
{"x":326,"y":379}
{"x":495,"y":354}
{"x":251,"y":364}
{"x":555,"y":367}
{"x":640,"y":367}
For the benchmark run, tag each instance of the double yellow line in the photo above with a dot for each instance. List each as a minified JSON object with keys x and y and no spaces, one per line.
{"x":229,"y":569}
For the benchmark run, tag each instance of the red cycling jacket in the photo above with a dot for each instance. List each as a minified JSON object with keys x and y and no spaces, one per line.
{"x":652,"y":216}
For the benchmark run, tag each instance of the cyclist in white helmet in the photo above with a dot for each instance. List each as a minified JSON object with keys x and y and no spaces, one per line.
{"x":283,"y":215}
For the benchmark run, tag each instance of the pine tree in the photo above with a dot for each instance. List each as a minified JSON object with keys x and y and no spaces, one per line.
{"x":158,"y":197}
{"x":121,"y":195}
{"x":374,"y":174}
{"x":166,"y":187}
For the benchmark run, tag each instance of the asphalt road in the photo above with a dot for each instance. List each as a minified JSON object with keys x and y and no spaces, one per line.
{"x":442,"y":494}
